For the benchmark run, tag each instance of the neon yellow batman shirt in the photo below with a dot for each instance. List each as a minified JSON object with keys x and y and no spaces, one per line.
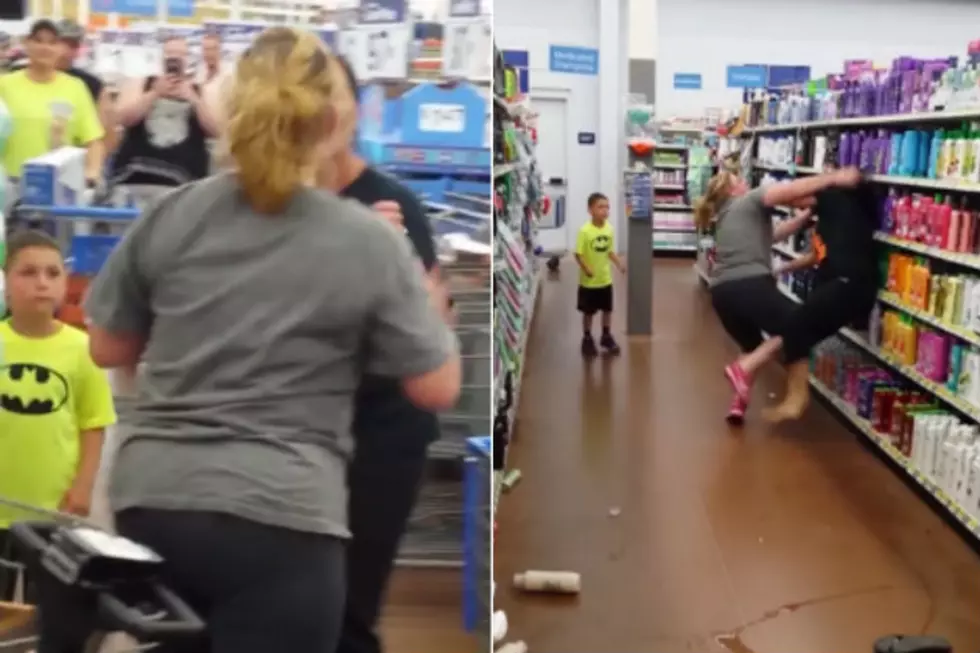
{"x":50,"y":391}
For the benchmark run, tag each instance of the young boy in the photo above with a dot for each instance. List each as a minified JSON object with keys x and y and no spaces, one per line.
{"x":54,"y":402}
{"x":594,"y":251}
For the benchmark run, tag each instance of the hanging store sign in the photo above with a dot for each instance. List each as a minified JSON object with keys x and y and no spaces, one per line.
{"x":573,"y":60}
{"x":467,"y":49}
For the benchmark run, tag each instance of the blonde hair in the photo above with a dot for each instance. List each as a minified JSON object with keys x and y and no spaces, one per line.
{"x":719,"y":190}
{"x":289,"y":109}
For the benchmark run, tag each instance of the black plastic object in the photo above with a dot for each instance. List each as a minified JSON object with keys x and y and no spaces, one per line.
{"x":912,"y":644}
{"x":92,"y":582}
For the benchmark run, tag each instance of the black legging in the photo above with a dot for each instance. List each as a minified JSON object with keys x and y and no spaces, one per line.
{"x":833,"y":303}
{"x":750,"y":306}
{"x":259,"y":588}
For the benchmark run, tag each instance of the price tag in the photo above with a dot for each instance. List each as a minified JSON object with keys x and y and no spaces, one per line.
{"x":442,"y":118}
{"x":467,"y":49}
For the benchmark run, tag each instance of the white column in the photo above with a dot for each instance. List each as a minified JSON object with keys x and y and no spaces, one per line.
{"x":57,"y":10}
{"x":613,"y":84}
{"x":84,"y":11}
{"x":163,"y":11}
{"x":643,"y":29}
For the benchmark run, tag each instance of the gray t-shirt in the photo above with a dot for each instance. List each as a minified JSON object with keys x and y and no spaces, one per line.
{"x":259,"y":330}
{"x":743,"y":239}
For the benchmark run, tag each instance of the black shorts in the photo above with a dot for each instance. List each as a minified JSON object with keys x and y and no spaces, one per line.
{"x":595,"y":300}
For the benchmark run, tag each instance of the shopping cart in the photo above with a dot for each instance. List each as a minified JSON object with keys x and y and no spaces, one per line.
{"x":86,"y":584}
{"x":436,"y":528}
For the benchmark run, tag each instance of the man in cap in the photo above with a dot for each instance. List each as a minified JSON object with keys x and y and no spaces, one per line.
{"x":71,"y":36}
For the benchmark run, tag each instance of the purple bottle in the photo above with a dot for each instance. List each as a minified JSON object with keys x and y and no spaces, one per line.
{"x":844,"y":150}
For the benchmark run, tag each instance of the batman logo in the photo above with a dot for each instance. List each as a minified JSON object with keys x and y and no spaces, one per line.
{"x":601,"y":244}
{"x":29,"y":389}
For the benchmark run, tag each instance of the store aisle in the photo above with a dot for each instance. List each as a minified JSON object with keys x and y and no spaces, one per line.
{"x":691,"y":537}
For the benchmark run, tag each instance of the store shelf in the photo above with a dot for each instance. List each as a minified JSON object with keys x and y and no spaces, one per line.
{"x":678,"y":229}
{"x":898,"y":119}
{"x":967,"y":335}
{"x":971,"y":261}
{"x":669,"y":166}
{"x":674,"y":247}
{"x":862,"y":425}
{"x":908,"y":372}
{"x":951,"y":185}
{"x":673,"y":207}
{"x":676,"y":187}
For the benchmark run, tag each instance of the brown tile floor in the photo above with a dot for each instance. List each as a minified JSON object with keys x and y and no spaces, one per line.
{"x":423,"y":614}
{"x":773,"y":540}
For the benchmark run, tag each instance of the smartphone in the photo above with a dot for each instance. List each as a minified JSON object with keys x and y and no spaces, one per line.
{"x":173,"y":66}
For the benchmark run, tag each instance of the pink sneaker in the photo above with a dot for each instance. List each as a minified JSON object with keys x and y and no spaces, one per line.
{"x":736,"y":412}
{"x":741,"y":382}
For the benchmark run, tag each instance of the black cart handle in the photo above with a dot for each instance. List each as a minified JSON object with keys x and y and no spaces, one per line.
{"x":29,"y":534}
{"x":182,"y":620}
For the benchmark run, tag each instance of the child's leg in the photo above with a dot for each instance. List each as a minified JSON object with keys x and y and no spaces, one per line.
{"x":587,"y":307}
{"x":604,"y":299}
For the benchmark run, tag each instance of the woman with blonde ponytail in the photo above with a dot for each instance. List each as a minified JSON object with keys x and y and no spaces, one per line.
{"x":256,"y":303}
{"x":743,"y":289}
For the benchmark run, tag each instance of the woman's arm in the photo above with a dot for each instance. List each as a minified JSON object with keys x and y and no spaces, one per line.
{"x":790,"y":193}
{"x":802,"y":262}
{"x":118,"y":308}
{"x":409,"y":338}
{"x":134,"y":103}
{"x":791,"y":226}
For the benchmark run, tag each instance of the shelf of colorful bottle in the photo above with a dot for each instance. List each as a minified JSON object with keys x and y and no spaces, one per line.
{"x":938,"y":390}
{"x":868,"y":121}
{"x":964,"y":259}
{"x":946,"y":184}
{"x":865,"y":427}
{"x":894,"y":301}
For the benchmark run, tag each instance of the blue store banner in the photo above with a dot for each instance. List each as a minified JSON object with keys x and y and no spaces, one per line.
{"x":381,"y":12}
{"x":464,"y":8}
{"x":746,"y":76}
{"x":788,"y":75}
{"x":143,"y":8}
{"x":687,"y":81}
{"x":573,"y":59}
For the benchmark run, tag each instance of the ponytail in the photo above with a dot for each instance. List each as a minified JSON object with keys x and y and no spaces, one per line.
{"x":706,"y":207}
{"x":288,"y":107}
